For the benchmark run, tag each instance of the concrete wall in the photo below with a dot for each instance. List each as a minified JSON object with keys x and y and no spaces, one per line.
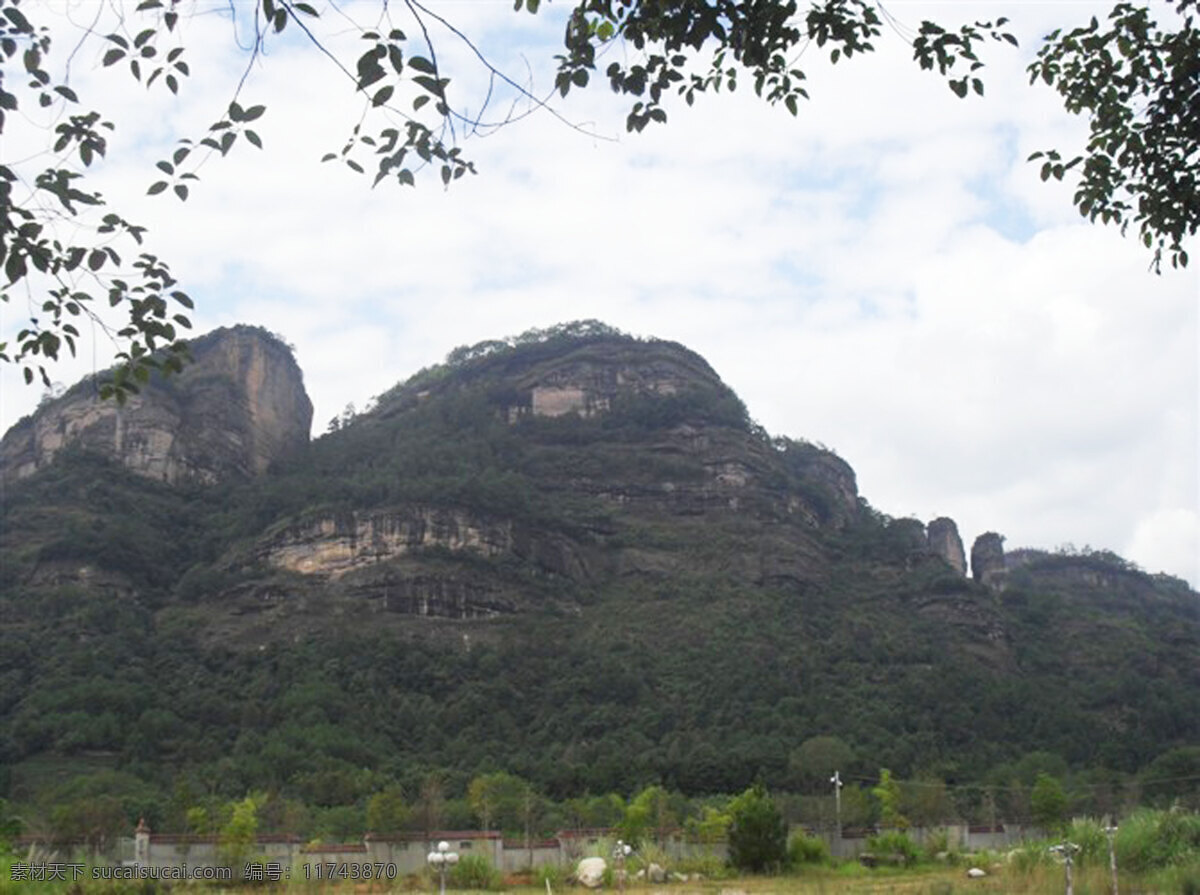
{"x":397,"y":856}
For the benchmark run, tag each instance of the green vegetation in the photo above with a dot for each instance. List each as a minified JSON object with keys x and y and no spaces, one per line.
{"x":757,"y":832}
{"x":679,"y":606}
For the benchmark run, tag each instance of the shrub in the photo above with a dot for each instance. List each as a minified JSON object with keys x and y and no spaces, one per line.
{"x":1092,"y":842}
{"x":474,"y":872}
{"x":550,"y":876}
{"x":804,"y":849}
{"x":758,"y":833}
{"x":1148,"y":840}
{"x":894,"y":847}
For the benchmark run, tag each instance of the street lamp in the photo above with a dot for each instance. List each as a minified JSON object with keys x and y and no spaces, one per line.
{"x":836,"y":780}
{"x":1067,"y":852}
{"x":440,"y":859}
{"x":621,"y":851}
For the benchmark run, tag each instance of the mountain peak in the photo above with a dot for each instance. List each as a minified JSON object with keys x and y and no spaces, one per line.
{"x":235,"y":409}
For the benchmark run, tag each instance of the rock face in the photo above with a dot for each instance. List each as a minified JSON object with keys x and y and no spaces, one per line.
{"x":987,"y":560}
{"x":238,"y":407}
{"x":943,"y":538}
{"x":335,"y":544}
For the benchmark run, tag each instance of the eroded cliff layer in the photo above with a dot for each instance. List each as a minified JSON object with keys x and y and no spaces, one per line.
{"x":237,"y":408}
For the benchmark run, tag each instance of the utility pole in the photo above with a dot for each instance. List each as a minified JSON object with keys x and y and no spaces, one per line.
{"x":836,"y":780}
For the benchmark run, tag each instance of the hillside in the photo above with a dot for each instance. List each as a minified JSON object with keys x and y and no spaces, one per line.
{"x":570,"y":555}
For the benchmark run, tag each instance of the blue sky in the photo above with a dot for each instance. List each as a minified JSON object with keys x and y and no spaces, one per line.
{"x":884,"y":273}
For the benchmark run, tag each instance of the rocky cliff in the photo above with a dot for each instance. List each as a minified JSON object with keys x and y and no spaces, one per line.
{"x":571,"y":553}
{"x":235,"y":409}
{"x":946,"y":543}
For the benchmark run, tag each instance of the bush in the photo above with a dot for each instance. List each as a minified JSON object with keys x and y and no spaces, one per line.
{"x":894,"y":847}
{"x":1092,"y":842}
{"x":1148,"y":840}
{"x":804,"y":849}
{"x":474,"y":872}
{"x":758,"y":833}
{"x":549,"y":876}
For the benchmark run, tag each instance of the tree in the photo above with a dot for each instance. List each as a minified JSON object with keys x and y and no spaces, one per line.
{"x":70,"y":253}
{"x":386,"y":811}
{"x":757,"y":831}
{"x":430,"y":804}
{"x":651,"y":813}
{"x":887,"y":792}
{"x":814,"y":762}
{"x":238,"y":836}
{"x":1173,"y":778}
{"x":499,"y":799}
{"x":1048,"y":803}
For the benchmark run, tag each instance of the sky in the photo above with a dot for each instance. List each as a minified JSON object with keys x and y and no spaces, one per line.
{"x":884,"y":274}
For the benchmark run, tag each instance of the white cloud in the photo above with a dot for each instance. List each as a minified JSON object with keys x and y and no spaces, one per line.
{"x":884,"y":273}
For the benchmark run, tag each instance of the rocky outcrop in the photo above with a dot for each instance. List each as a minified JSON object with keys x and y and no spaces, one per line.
{"x":335,"y":544}
{"x":942,"y":535}
{"x":237,"y":408}
{"x":591,"y":378}
{"x":987,"y":560}
{"x":829,"y":479}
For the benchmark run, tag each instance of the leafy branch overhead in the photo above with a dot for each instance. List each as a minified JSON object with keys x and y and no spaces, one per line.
{"x":1140,"y":88}
{"x":77,"y":260}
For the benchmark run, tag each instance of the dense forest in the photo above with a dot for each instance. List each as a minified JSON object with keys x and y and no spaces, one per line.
{"x":648,"y":594}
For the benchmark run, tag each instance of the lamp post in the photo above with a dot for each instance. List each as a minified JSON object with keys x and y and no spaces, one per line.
{"x":1067,"y":852}
{"x":621,"y":851}
{"x":440,"y":859}
{"x":836,"y":780}
{"x":1111,"y":833}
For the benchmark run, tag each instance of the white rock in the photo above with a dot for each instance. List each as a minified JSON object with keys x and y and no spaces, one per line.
{"x":590,"y":872}
{"x":656,"y":874}
{"x":976,"y":873}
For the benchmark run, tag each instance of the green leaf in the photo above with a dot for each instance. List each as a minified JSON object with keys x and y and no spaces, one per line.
{"x":253,"y":113}
{"x":156,"y":188}
{"x":66,"y":93}
{"x":254,"y":139}
{"x":96,"y":259}
{"x":421,"y":64}
{"x":166,"y":167}
{"x":112,"y":56}
{"x":384,"y":94}
{"x":181,"y":191}
{"x":430,"y":84}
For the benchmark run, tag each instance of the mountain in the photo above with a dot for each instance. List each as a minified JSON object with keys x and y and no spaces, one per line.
{"x":570,"y":555}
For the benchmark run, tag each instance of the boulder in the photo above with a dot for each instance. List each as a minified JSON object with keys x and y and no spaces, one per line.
{"x":656,"y":874}
{"x":590,"y":872}
{"x":976,"y":873}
